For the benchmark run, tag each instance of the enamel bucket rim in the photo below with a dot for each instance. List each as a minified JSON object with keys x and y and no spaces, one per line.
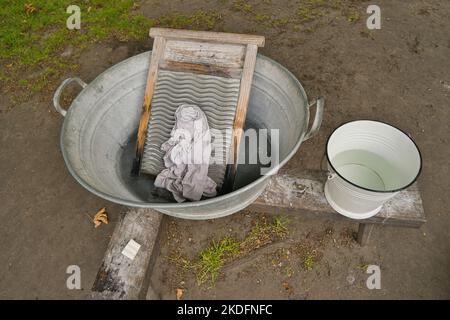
{"x":369,"y":189}
{"x":157,"y":205}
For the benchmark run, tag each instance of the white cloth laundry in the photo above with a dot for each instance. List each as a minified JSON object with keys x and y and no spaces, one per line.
{"x":187,"y":156}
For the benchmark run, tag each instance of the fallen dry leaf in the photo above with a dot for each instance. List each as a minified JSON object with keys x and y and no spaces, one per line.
{"x":29,"y":8}
{"x":100,"y":217}
{"x":179,"y":293}
{"x":287,"y":287}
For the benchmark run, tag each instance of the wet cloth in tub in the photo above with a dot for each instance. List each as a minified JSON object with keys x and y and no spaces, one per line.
{"x":187,"y":156}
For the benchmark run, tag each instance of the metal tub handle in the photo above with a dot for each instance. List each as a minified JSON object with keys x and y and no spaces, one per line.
{"x":58,"y":92}
{"x":319,"y":103}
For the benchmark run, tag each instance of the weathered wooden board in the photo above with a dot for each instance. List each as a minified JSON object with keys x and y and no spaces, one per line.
{"x":223,"y":55}
{"x":120,"y":277}
{"x":207,"y":69}
{"x":241,"y":113}
{"x":223,"y":37}
{"x":301,"y":192}
{"x":244,"y":96}
{"x":158,"y":49}
{"x":365,"y":231}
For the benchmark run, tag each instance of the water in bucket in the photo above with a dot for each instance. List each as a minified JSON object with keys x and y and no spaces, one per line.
{"x":366,"y":169}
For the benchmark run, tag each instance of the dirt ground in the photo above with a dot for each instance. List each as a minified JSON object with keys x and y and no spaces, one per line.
{"x":399,"y":74}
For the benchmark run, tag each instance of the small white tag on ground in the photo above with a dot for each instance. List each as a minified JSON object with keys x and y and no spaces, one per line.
{"x":131,"y":249}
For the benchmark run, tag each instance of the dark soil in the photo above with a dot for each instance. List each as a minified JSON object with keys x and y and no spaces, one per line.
{"x":399,"y":74}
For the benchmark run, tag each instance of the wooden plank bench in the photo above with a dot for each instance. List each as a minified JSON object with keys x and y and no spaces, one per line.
{"x":301,"y":192}
{"x":289,"y":192}
{"x":120,"y":278}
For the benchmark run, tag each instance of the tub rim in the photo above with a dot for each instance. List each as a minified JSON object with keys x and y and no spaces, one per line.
{"x":165,"y":205}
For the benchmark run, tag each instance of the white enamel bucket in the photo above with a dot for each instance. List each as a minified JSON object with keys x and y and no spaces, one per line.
{"x":369,"y":163}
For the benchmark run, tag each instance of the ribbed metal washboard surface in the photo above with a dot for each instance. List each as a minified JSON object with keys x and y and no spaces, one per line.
{"x":216,"y":96}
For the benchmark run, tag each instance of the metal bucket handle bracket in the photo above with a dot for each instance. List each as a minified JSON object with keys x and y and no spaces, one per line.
{"x":319,"y":103}
{"x":58,"y":92}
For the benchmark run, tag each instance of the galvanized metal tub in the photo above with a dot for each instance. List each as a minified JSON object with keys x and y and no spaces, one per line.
{"x":99,"y":131}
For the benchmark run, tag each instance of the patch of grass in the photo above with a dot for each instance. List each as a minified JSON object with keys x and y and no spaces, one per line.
{"x":281,"y":261}
{"x":176,"y":21}
{"x":310,"y":10}
{"x":28,"y":37}
{"x":306,"y":14}
{"x":264,"y":233}
{"x":279,"y":226}
{"x":354,"y":17}
{"x":261,"y":18}
{"x":243,"y":6}
{"x":33,"y":34}
{"x":308,"y":256}
{"x":214,"y":257}
{"x":180,"y":261}
{"x":270,"y":21}
{"x":363,"y":267}
{"x":280,"y":22}
{"x":23,"y":82}
{"x":4,"y":77}
{"x":308,"y":261}
{"x":205,"y":20}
